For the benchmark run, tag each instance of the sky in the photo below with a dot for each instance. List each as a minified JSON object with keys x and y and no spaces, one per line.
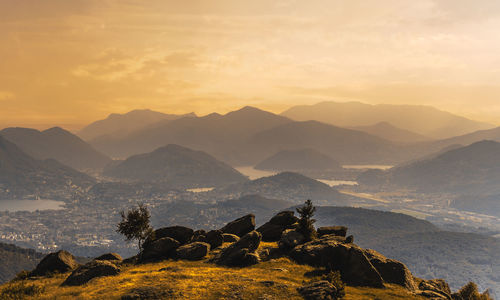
{"x":69,"y":63}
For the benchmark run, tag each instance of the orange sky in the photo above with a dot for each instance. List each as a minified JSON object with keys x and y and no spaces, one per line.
{"x":71,"y":62}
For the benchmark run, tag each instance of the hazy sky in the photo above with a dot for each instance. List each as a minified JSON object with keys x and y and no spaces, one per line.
{"x":71,"y":62}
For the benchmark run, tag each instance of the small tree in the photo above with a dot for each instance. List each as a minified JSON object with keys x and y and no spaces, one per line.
{"x":135,"y":224}
{"x":306,"y":222}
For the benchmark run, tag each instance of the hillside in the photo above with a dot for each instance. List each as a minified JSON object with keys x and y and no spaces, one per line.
{"x":177,"y":166}
{"x":345,"y":145}
{"x":392,"y":133}
{"x":22,"y":175}
{"x":223,"y":136}
{"x":467,"y":139}
{"x":122,"y":124}
{"x":237,"y":261}
{"x":474,"y":169}
{"x":290,"y":186}
{"x":14,"y":259}
{"x":59,"y":144}
{"x":297,"y":160}
{"x":424,"y":120}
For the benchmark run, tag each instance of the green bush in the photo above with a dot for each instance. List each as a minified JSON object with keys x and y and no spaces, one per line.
{"x":470,"y":292}
{"x":306,"y":222}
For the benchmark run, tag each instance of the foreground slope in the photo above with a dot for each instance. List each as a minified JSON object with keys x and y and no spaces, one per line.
{"x":177,"y":166}
{"x":424,"y":120}
{"x":21,"y":175}
{"x":59,"y":144}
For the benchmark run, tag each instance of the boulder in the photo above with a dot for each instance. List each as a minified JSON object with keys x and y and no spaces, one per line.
{"x":57,"y":262}
{"x":435,"y":287}
{"x":193,"y":251}
{"x":89,"y":271}
{"x":230,"y":238}
{"x":290,"y":239}
{"x":161,"y":248}
{"x":349,"y":259}
{"x":392,"y":271}
{"x":214,"y":238}
{"x":113,"y":257}
{"x":319,"y":290}
{"x":179,"y":233}
{"x":240,"y":226}
{"x":242,"y":252}
{"x":272,"y":230}
{"x":334,"y":230}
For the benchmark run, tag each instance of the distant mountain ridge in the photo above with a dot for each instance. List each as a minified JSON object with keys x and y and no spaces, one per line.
{"x":56,"y":143}
{"x":176,"y":165}
{"x":297,"y":160}
{"x":424,"y":120}
{"x":392,"y":133}
{"x":121,"y":124}
{"x":473,"y":169}
{"x":22,"y":175}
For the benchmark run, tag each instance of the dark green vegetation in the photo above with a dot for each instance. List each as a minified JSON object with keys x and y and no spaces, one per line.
{"x":176,"y":165}
{"x":298,"y":160}
{"x":306,"y":221}
{"x":21,"y":175}
{"x":14,"y":259}
{"x":59,"y":144}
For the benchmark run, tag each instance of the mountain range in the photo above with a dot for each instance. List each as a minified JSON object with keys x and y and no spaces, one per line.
{"x":392,"y":133}
{"x":56,"y":143}
{"x":21,"y":175}
{"x":424,"y":120}
{"x":298,"y":160}
{"x":176,"y":166}
{"x":123,"y":124}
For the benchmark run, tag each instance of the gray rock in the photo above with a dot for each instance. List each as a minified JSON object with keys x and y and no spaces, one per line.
{"x":57,"y":262}
{"x":290,"y":239}
{"x":242,"y":252}
{"x":335,"y":230}
{"x":272,"y":230}
{"x":89,"y":271}
{"x":161,"y":248}
{"x":435,"y":288}
{"x":113,"y":257}
{"x":240,"y":226}
{"x":230,"y":238}
{"x":193,"y":251}
{"x":319,"y":290}
{"x":392,"y":271}
{"x":179,"y":233}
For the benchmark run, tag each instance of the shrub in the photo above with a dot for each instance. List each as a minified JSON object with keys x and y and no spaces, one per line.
{"x":306,"y":222}
{"x":135,"y":224}
{"x":470,"y":292}
{"x":334,"y":278}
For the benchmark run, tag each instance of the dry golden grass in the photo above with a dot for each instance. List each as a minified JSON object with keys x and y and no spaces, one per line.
{"x":274,"y":279}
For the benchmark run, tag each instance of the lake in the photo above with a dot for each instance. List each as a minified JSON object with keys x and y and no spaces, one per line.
{"x":360,"y":167}
{"x":253,"y":173}
{"x":30,"y":205}
{"x":338,"y":182}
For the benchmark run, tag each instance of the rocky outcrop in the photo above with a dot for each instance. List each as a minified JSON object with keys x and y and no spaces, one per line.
{"x":89,"y":271}
{"x":272,"y":230}
{"x":392,"y":271}
{"x":193,"y":251}
{"x":319,"y":290}
{"x":240,"y":226}
{"x":349,"y":259}
{"x":179,"y":233}
{"x":334,"y":230}
{"x":160,"y":248}
{"x":290,"y":239}
{"x":230,"y":238}
{"x":434,"y":288}
{"x":113,"y":257}
{"x":242,"y":252}
{"x":57,"y":262}
{"x":213,"y":237}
